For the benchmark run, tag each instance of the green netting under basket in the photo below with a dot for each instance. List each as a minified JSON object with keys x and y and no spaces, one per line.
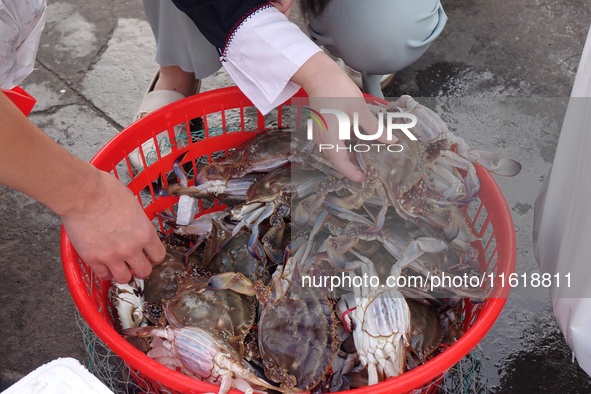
{"x":466,"y":377}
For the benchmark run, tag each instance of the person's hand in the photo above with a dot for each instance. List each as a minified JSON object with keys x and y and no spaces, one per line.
{"x":112,"y":234}
{"x":329,"y":87}
{"x":283,"y":5}
{"x":329,"y":142}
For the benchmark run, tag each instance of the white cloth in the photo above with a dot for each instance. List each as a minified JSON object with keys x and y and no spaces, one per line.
{"x":264,"y":53}
{"x":21,"y":24}
{"x":562,"y":218}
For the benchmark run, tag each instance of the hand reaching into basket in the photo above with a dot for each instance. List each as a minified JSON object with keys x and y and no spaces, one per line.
{"x":269,"y":58}
{"x":104,"y":221}
{"x":328,"y":87}
{"x":111,"y":232}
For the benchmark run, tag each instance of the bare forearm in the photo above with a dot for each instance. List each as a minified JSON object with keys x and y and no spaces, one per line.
{"x":330,"y":88}
{"x":320,"y":76}
{"x":103,"y":219}
{"x":34,"y":164}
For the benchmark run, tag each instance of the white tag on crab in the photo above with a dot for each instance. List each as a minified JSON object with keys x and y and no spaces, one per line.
{"x":186,"y":210}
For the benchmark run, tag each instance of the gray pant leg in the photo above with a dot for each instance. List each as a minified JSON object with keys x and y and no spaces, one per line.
{"x":178,"y":41}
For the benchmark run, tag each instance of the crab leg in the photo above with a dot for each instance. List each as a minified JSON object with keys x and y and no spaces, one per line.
{"x":234,"y":189}
{"x":179,"y":171}
{"x":494,"y":163}
{"x":446,"y":186}
{"x":305,"y":208}
{"x":452,"y":159}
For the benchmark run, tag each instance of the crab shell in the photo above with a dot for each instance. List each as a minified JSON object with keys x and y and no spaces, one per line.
{"x":227,"y":313}
{"x":235,"y":257}
{"x":381,"y":327}
{"x":426,"y":331}
{"x":301,"y":313}
{"x":252,"y":156}
{"x":402,"y":175}
{"x":162,"y":282}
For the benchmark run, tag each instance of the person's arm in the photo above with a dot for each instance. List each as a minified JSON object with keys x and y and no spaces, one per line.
{"x":284,"y":6}
{"x":270,"y":58}
{"x":102,"y":218}
{"x":323,"y":80}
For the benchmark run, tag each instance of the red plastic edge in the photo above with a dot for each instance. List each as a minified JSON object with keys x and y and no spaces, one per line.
{"x":23,"y":100}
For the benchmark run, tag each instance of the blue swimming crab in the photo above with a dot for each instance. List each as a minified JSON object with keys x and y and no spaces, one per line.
{"x":418,"y":249}
{"x":270,"y":198}
{"x":200,"y":353}
{"x":128,"y":300}
{"x":428,"y":176}
{"x":227,"y":313}
{"x":290,"y":311}
{"x":379,"y":319}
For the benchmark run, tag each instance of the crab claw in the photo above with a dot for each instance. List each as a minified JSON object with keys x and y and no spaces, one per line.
{"x":255,"y":248}
{"x":495,"y":163}
{"x":234,"y":281}
{"x":144,"y":332}
{"x":339,"y":245}
{"x":272,"y":241}
{"x":179,"y":171}
{"x":472,"y":186}
{"x":445,"y":220}
{"x":336,"y":247}
{"x":420,"y":246}
{"x":305,"y":208}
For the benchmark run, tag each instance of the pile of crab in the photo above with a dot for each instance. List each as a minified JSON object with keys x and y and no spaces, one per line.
{"x":246,"y":297}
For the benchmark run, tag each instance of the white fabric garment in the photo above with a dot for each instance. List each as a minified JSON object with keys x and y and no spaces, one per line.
{"x":562,"y":218}
{"x":264,"y":53}
{"x":21,"y":24}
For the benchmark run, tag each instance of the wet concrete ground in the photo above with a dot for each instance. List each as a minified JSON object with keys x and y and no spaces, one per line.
{"x":96,"y":59}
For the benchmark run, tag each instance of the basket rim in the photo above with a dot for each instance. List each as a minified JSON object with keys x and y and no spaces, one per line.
{"x":502,"y":223}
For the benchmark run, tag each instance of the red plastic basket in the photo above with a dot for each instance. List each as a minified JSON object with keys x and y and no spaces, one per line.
{"x":229,"y":119}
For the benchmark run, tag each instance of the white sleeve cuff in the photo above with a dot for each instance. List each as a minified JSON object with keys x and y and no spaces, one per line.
{"x":262,"y":55}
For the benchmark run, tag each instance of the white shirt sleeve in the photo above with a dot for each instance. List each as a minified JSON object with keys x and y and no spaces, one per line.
{"x":21,"y":24}
{"x":262,"y":55}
